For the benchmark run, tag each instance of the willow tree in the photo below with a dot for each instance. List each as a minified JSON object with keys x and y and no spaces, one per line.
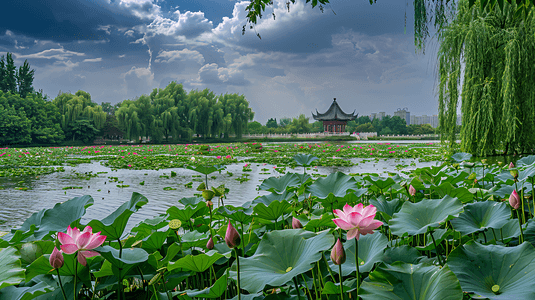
{"x":486,"y":62}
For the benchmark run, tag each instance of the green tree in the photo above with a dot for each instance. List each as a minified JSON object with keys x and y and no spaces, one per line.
{"x":317,"y":126}
{"x":128,"y":120}
{"x":25,"y":79}
{"x":111,"y":128}
{"x":283,"y":122}
{"x":368,"y":127}
{"x":272,"y":123}
{"x":254,"y":127}
{"x":82,"y":130}
{"x":9,"y":79}
{"x":495,"y":50}
{"x":15,"y":127}
{"x":108,"y":108}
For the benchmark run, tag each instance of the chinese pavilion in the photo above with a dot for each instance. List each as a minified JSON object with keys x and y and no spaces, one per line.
{"x":334,"y":119}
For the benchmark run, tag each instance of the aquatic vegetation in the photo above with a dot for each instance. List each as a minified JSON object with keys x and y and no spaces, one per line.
{"x":397,"y":236}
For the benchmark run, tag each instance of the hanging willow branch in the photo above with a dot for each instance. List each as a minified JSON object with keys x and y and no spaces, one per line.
{"x":496,"y":52}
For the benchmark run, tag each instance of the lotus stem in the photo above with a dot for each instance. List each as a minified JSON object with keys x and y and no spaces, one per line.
{"x":75,"y":274}
{"x":522,"y":202}
{"x":61,"y":285}
{"x":328,"y":268}
{"x":533,"y":196}
{"x":357,"y":264}
{"x":520,"y":224}
{"x":238,"y":269}
{"x":297,"y":288}
{"x":306,"y":285}
{"x":341,"y":285}
{"x":436,"y":249}
{"x":120,"y":247}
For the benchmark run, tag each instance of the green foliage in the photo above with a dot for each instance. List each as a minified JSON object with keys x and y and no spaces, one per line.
{"x":496,"y":111}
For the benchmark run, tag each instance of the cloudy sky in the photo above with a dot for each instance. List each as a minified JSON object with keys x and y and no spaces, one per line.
{"x":120,"y":49}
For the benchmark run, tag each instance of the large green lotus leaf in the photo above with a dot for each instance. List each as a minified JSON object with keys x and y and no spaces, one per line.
{"x":237,"y":214}
{"x":195,"y":263}
{"x":525,"y":161}
{"x":302,"y":178}
{"x":273,"y":211}
{"x":505,"y":176}
{"x":526,"y":174}
{"x":29,"y":252}
{"x":336,"y":184}
{"x":403,"y":253}
{"x":416,"y":218}
{"x":479,"y":268}
{"x":215,"y":291}
{"x":27,"y":292}
{"x":128,"y":259}
{"x":438,"y":234}
{"x":529,"y":231}
{"x":380,"y":182}
{"x":267,"y":199}
{"x":482,"y":215}
{"x":304,"y":159}
{"x":11,"y":272}
{"x":281,"y":255}
{"x":403,"y":281}
{"x":148,"y":226}
{"x":113,"y":225}
{"x":53,"y":219}
{"x":386,"y":208}
{"x":371,"y":247}
{"x":279,"y":184}
{"x":461,"y":156}
{"x":460,"y":193}
{"x":186,"y":213}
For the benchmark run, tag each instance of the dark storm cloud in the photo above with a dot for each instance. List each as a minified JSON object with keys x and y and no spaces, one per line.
{"x":62,"y":21}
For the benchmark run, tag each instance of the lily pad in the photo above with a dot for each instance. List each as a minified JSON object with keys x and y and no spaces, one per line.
{"x":480,"y":216}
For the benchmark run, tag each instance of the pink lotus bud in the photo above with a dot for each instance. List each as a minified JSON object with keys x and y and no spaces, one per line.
{"x":511,"y":165}
{"x":296,"y":224}
{"x":514,"y":200}
{"x":56,"y":259}
{"x":210,"y":244}
{"x":232,"y":237}
{"x":412,"y":190}
{"x":338,"y":254}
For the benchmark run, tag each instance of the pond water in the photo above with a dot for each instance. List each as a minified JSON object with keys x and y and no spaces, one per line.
{"x":17,"y":205}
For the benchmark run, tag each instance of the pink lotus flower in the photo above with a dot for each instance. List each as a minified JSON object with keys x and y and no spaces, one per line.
{"x":338,"y":254}
{"x":296,"y":224}
{"x":511,"y":165}
{"x":56,"y":259}
{"x":357,"y":220}
{"x":210,"y":244}
{"x":232,"y":237}
{"x":82,"y":242}
{"x":412,"y":190}
{"x":514,"y":200}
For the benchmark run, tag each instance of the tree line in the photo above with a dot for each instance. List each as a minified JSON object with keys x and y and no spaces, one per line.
{"x":29,"y":117}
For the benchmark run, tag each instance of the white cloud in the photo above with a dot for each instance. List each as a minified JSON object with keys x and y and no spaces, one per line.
{"x":98,"y":59}
{"x":143,"y":9}
{"x":59,"y":54}
{"x":138,"y":81}
{"x":180,"y":55}
{"x":106,"y":28}
{"x":188,"y":24}
{"x":212,"y":74}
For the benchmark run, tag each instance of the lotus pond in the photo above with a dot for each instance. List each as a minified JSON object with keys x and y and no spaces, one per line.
{"x":441,"y":231}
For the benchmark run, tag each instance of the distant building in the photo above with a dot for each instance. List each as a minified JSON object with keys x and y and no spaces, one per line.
{"x":334,"y":119}
{"x":373,"y":116}
{"x":404,"y":114}
{"x":431,"y":120}
{"x":381,"y":115}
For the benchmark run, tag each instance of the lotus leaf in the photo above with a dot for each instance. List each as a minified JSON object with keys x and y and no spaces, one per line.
{"x":281,"y":255}
{"x":480,"y":216}
{"x":280,"y":184}
{"x":416,"y":218}
{"x":11,"y":272}
{"x":407,"y":281}
{"x":195,"y":263}
{"x":336,"y":184}
{"x":371,"y":247}
{"x":479,"y":268}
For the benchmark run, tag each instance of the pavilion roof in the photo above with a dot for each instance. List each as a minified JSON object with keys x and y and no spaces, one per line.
{"x":334,"y":113}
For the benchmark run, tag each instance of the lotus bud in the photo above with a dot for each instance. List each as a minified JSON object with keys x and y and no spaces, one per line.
{"x":210,"y":244}
{"x":514,"y":200}
{"x":232,"y":237}
{"x":296,"y":224}
{"x":56,"y":259}
{"x":412,"y":190}
{"x":338,"y":254}
{"x":511,"y":165}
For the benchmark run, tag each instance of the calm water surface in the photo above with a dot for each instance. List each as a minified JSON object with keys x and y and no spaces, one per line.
{"x":16,"y":205}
